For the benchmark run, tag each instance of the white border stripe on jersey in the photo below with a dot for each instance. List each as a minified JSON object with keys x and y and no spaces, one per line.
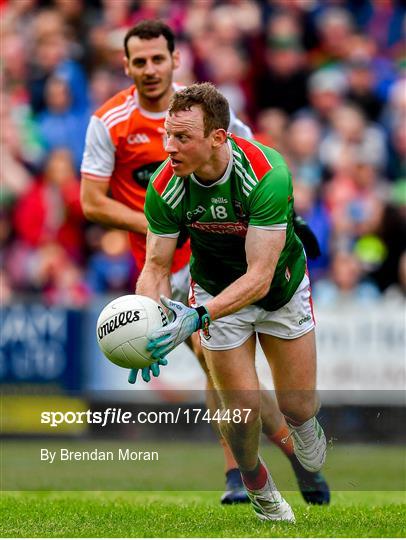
{"x":275,"y":227}
{"x":121,"y":118}
{"x":170,"y":199}
{"x":168,"y":193}
{"x":246,"y":188}
{"x":169,"y":235}
{"x":244,"y":172}
{"x":245,"y":183}
{"x":106,"y":116}
{"x":122,"y":112}
{"x":175,"y":204}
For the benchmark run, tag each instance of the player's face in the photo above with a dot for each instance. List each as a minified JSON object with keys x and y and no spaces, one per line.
{"x":186,"y":144}
{"x":150,"y":65}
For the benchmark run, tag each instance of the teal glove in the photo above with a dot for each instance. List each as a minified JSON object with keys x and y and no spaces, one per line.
{"x":146,"y":371}
{"x":184,"y":321}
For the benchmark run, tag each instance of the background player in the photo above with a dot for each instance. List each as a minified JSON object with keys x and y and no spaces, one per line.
{"x":124,"y":145}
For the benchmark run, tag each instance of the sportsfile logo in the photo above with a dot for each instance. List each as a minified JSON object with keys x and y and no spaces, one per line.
{"x":124,"y":318}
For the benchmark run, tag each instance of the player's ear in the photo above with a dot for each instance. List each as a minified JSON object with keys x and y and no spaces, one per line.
{"x":126,"y":66}
{"x":176,"y":59}
{"x":219,"y":137}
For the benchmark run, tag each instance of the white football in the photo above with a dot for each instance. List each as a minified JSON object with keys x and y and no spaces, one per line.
{"x":123,"y":326}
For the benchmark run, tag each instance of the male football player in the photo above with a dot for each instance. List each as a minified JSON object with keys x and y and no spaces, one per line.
{"x":249,"y":280}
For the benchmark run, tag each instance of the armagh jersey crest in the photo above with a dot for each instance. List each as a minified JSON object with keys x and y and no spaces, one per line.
{"x":255,"y":191}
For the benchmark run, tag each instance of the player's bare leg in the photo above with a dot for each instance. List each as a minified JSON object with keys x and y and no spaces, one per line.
{"x":235,"y":379}
{"x":293,"y":364}
{"x":234,"y":376}
{"x":235,"y":492}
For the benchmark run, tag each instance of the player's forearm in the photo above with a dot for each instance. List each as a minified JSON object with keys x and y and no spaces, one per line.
{"x":111,"y":213}
{"x":245,"y":291}
{"x":153,"y":282}
{"x":155,"y":276}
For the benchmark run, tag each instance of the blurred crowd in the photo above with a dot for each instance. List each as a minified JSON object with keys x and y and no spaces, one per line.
{"x":322,"y":81}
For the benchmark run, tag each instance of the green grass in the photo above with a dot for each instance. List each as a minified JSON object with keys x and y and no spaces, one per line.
{"x":377,"y":511}
{"x":192,"y":514}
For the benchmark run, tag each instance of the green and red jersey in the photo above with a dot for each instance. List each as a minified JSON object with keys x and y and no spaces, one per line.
{"x":256,"y":191}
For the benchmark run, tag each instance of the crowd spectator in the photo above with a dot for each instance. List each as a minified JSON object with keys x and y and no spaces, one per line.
{"x":50,"y":210}
{"x":53,"y":56}
{"x":59,"y":120}
{"x":345,"y":283}
{"x":322,"y":82}
{"x":283,"y":80}
{"x":111,"y":268}
{"x":335,"y":27}
{"x":59,"y":277}
{"x":272,"y":125}
{"x":350,"y":136}
{"x":361,"y":89}
{"x":304,"y":137}
{"x":326,"y":91}
{"x":312,"y":208}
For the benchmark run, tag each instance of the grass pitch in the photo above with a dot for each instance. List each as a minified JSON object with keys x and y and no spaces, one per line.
{"x":199,"y":514}
{"x":191,"y":514}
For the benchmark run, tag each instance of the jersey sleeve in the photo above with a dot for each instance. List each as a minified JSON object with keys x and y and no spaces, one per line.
{"x":269,"y":201}
{"x":161,"y":218}
{"x":238,"y":127}
{"x":99,"y":155}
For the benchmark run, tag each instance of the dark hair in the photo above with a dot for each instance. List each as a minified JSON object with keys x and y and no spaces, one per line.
{"x":215,"y":107}
{"x":150,"y":29}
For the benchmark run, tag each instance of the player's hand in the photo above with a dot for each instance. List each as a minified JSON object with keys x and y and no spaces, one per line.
{"x":307,"y":236}
{"x":146,"y":371}
{"x":184,"y":321}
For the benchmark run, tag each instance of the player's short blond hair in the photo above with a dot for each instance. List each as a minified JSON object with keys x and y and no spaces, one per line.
{"x":215,"y":107}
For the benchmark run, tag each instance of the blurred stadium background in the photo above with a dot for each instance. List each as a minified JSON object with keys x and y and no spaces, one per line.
{"x":324,"y":82}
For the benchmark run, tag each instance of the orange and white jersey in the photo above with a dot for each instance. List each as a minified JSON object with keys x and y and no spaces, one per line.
{"x":124,"y":146}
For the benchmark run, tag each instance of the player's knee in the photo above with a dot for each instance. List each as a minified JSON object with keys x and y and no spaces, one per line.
{"x":246,"y":407}
{"x":299,"y":406}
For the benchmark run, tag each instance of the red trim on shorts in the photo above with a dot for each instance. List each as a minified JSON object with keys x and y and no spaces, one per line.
{"x":192,"y":297}
{"x":310,"y":296}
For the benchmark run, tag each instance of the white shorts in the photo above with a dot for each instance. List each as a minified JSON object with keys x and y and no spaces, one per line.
{"x":291,"y":321}
{"x":180,"y":284}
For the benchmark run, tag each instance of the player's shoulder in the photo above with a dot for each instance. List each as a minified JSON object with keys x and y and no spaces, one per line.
{"x":118,"y":107}
{"x":261,"y":158}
